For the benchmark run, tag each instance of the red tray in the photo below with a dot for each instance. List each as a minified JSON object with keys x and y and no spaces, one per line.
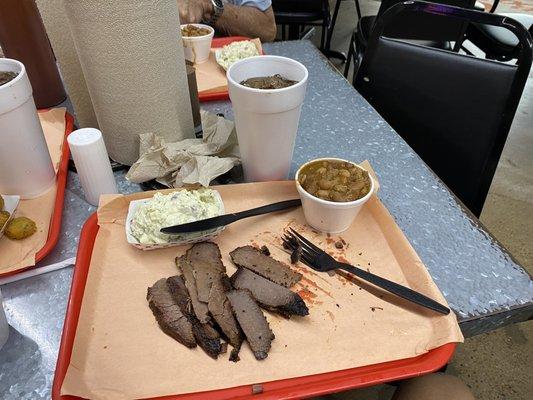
{"x":295,"y":388}
{"x":217,"y":43}
{"x":55,"y":224}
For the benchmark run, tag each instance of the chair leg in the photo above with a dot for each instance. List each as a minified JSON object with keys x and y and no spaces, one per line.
{"x":358,"y":9}
{"x":459,"y":44}
{"x":358,"y":49}
{"x":351,"y":54}
{"x":331,"y":26}
{"x":283,"y":32}
{"x":323,"y":35}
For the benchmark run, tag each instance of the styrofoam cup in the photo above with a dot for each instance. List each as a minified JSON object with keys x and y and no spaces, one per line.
{"x":26,"y":168}
{"x":197,"y":48}
{"x":266,"y":120}
{"x":330,"y":216}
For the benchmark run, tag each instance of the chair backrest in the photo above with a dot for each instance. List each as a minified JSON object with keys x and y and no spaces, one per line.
{"x":299,"y":6}
{"x":428,"y":26}
{"x":454,"y":110}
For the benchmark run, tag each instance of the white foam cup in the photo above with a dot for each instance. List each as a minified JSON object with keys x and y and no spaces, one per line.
{"x":26,"y":168}
{"x":330,"y":216}
{"x":197,"y":48}
{"x":266,"y":120}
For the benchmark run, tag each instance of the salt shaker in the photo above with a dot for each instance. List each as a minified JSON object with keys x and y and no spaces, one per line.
{"x":92,"y":163}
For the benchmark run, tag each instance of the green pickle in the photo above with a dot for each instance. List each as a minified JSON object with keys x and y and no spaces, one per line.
{"x":4,"y":216}
{"x":20,"y":228}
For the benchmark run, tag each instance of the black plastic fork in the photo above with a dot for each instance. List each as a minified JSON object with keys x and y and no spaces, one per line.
{"x":321,"y":261}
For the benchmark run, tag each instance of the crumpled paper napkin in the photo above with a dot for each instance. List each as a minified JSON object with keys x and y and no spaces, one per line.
{"x":190,"y":161}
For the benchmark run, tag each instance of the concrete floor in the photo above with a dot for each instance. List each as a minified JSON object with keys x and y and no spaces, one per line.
{"x":497,"y":365}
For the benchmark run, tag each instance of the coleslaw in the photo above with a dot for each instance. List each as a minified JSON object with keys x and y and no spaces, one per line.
{"x":236,"y":51}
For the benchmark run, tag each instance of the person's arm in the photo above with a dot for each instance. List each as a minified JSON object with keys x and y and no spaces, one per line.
{"x":235,"y":20}
{"x":247,"y":21}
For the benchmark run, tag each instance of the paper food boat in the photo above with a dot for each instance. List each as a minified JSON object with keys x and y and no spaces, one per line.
{"x":175,"y":240}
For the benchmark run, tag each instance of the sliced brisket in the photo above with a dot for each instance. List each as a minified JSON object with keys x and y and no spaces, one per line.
{"x":207,"y":265}
{"x":207,"y":252}
{"x":252,"y":321}
{"x":199,"y":307}
{"x":251,"y":258}
{"x":204,"y":275}
{"x":203,"y":264}
{"x":168,"y":314}
{"x":220,"y":309}
{"x":268,"y":294}
{"x":206,"y":336}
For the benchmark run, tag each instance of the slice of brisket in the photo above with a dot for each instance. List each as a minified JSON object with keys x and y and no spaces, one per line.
{"x":199,"y":307}
{"x":206,"y":262}
{"x":252,"y":321}
{"x":251,"y":258}
{"x":168,"y":314}
{"x":205,"y":275}
{"x":207,"y":252}
{"x":269,"y":295}
{"x":220,"y":308}
{"x":206,"y":336}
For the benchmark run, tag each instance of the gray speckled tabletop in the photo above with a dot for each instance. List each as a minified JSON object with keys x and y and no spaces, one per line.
{"x":481,"y":282}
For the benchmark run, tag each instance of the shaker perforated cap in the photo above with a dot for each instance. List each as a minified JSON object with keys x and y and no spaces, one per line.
{"x":84,"y":137}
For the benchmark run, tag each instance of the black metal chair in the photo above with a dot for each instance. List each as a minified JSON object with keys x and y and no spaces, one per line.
{"x":296,"y":14}
{"x":426,"y":30}
{"x":454,"y":110}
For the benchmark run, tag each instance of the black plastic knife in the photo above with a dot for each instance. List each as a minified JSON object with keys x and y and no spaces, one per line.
{"x":223,"y":220}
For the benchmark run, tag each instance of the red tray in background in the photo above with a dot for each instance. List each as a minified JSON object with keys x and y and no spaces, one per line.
{"x":294,"y":388}
{"x":55,"y":224}
{"x":215,"y":44}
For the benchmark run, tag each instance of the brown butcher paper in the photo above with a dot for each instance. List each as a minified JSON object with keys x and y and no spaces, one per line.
{"x":120,"y":352}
